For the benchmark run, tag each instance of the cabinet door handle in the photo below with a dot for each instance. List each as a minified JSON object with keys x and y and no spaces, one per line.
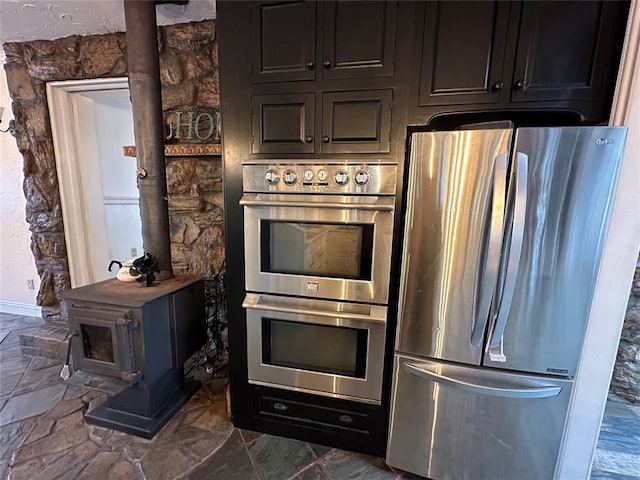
{"x":499,"y":85}
{"x":325,"y":139}
{"x":348,"y":419}
{"x":327,"y":64}
{"x":308,"y":139}
{"x":280,"y":407}
{"x":523,"y":84}
{"x":310,"y":65}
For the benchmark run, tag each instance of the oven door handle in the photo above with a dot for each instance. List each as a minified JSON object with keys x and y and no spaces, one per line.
{"x":363,"y":203}
{"x":269,"y":303}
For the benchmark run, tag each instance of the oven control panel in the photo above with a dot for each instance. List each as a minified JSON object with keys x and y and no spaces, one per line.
{"x":349,"y":179}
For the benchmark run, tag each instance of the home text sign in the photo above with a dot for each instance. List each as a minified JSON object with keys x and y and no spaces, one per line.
{"x":194,"y":125}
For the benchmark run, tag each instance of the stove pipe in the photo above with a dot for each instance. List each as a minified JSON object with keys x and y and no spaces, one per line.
{"x":146,"y":101}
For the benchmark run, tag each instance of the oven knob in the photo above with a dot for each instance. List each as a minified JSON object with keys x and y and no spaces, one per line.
{"x":308,"y":175}
{"x":271,"y":177}
{"x":341,"y":178}
{"x":322,"y":175}
{"x":290,"y":177}
{"x":361,"y":177}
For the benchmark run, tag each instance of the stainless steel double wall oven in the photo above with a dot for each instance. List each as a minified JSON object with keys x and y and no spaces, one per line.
{"x":317,"y":265}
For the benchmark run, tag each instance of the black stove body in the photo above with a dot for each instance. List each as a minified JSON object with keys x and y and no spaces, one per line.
{"x":140,"y":337}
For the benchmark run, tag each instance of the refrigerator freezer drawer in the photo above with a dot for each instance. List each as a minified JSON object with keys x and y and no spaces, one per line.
{"x":454,"y":422}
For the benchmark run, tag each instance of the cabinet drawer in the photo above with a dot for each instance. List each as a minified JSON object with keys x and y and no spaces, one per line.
{"x":315,"y":414}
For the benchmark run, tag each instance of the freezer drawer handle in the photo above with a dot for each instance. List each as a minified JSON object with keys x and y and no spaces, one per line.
{"x":520,"y":174}
{"x":508,"y":391}
{"x":494,"y":246}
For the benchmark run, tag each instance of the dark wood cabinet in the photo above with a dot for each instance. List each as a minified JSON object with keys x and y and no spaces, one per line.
{"x":359,"y":38}
{"x":463,"y":52}
{"x":356,"y":122}
{"x":284,"y":41}
{"x":351,"y":122}
{"x":565,"y":50}
{"x":521,"y":55}
{"x":283,"y":123}
{"x":392,"y":67}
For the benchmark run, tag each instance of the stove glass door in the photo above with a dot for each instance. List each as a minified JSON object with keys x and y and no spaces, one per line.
{"x":97,"y":342}
{"x":105,"y":340}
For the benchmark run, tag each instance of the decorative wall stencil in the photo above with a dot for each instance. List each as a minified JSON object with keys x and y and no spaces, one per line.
{"x":182,"y":150}
{"x":193,"y":124}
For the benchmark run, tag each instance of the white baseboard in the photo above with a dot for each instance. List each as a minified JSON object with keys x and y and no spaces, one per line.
{"x":17,"y":308}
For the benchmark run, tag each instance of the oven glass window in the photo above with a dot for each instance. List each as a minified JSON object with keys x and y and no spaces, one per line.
{"x":319,"y":348}
{"x":319,"y":249}
{"x":97,"y":343}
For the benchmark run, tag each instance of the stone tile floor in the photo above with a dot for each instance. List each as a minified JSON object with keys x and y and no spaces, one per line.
{"x":43,"y":436}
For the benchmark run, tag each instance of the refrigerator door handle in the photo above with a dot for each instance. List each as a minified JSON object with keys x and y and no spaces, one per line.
{"x":520,"y":175}
{"x":504,"y":389}
{"x":494,"y":246}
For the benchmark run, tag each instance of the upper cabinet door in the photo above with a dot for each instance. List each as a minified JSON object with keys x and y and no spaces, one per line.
{"x":283,"y":123}
{"x":284,"y":41}
{"x":463,"y":52}
{"x":359,"y":39}
{"x":567,"y":50}
{"x":356,"y":122}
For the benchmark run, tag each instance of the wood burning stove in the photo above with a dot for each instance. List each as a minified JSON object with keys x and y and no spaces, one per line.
{"x":141,"y":336}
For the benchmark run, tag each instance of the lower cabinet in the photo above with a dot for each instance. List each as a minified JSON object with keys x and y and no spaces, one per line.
{"x":351,"y":122}
{"x":278,"y":407}
{"x":334,"y":422}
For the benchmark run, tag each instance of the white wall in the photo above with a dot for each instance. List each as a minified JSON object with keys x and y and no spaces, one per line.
{"x":17,"y":264}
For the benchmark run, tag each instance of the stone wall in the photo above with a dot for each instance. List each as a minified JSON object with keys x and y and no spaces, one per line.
{"x":189,"y":76}
{"x":626,"y":373}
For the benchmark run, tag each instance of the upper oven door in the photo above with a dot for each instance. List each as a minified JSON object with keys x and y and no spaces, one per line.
{"x":325,"y":246}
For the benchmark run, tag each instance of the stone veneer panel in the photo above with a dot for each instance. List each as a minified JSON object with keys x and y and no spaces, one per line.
{"x":626,"y":372}
{"x":189,"y":76}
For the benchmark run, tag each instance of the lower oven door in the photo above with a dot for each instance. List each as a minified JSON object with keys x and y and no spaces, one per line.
{"x":321,"y":246}
{"x":318,"y":346}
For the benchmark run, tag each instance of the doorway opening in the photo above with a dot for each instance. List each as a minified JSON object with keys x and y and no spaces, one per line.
{"x":91,"y":120}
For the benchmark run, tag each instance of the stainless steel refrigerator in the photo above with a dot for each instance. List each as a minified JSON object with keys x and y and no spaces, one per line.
{"x":502,"y":242}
